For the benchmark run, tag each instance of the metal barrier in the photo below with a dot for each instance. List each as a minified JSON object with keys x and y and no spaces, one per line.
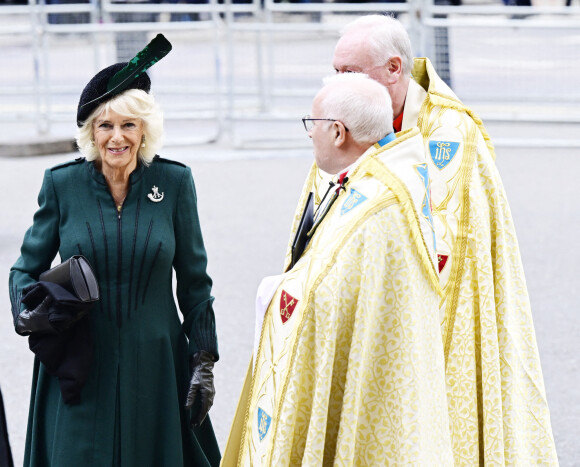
{"x":246,"y":72}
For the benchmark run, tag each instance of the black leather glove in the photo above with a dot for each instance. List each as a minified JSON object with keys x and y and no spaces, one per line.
{"x":50,"y":309}
{"x":201,"y":388}
{"x":35,"y":320}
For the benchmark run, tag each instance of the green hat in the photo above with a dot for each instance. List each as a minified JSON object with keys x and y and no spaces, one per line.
{"x":117,"y":78}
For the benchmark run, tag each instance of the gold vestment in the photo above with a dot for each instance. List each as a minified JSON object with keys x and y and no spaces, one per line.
{"x":350,"y":368}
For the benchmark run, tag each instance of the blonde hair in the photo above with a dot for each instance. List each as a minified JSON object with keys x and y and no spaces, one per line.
{"x":133,"y":103}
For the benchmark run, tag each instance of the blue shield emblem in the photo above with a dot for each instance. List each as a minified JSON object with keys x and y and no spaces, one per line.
{"x":264,"y":421}
{"x":442,"y":152}
{"x":354,"y":199}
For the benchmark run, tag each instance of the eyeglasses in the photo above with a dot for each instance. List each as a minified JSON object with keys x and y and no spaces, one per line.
{"x":309,"y":122}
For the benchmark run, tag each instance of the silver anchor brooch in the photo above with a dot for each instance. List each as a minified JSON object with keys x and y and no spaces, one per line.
{"x":155,"y":196}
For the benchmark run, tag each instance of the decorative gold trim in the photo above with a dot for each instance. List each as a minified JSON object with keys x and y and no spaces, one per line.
{"x":402,"y":193}
{"x":437,"y":99}
{"x":460,"y":243}
{"x":379,"y":170}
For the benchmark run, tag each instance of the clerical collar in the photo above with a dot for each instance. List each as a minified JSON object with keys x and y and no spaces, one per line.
{"x":386,"y":140}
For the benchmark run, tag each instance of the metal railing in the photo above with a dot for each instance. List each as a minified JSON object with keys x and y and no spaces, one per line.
{"x":237,"y":64}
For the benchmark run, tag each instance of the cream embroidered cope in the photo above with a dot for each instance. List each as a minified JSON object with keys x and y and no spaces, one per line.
{"x":350,"y":367}
{"x":497,"y":404}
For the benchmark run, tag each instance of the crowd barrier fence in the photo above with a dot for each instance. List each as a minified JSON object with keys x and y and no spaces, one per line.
{"x":247,"y":72}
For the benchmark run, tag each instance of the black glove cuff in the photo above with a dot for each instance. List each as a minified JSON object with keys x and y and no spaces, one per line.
{"x":202,"y":357}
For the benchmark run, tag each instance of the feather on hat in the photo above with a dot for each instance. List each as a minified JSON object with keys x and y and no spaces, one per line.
{"x":119,"y":77}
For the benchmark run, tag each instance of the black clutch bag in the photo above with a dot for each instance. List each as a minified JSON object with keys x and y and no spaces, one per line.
{"x":63,"y":295}
{"x":75,"y":275}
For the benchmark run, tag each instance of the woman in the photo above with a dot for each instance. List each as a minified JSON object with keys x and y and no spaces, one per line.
{"x":133,"y":215}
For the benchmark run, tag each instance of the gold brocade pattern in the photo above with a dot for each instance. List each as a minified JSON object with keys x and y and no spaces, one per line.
{"x":497,"y":404}
{"x":355,"y":376}
{"x":380,"y":171}
{"x":381,"y":409}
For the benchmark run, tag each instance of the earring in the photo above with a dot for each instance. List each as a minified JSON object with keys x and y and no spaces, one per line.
{"x":92,"y":144}
{"x":143,"y":142}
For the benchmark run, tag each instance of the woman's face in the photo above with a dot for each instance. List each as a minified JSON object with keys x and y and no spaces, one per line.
{"x":117,"y":138}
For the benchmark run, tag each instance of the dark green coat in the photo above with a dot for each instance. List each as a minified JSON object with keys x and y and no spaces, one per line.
{"x":130,"y":413}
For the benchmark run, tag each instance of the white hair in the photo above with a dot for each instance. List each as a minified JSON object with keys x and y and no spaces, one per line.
{"x":133,"y":103}
{"x":386,"y":36}
{"x":360,"y":103}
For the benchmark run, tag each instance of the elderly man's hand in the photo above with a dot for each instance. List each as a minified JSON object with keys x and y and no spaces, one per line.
{"x":201,"y":386}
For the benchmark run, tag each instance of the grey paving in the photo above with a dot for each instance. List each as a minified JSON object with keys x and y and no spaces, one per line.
{"x":246,"y":201}
{"x":247,"y":197}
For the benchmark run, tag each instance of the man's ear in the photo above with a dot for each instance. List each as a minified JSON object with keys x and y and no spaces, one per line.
{"x":395,"y":68}
{"x":339,"y":133}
